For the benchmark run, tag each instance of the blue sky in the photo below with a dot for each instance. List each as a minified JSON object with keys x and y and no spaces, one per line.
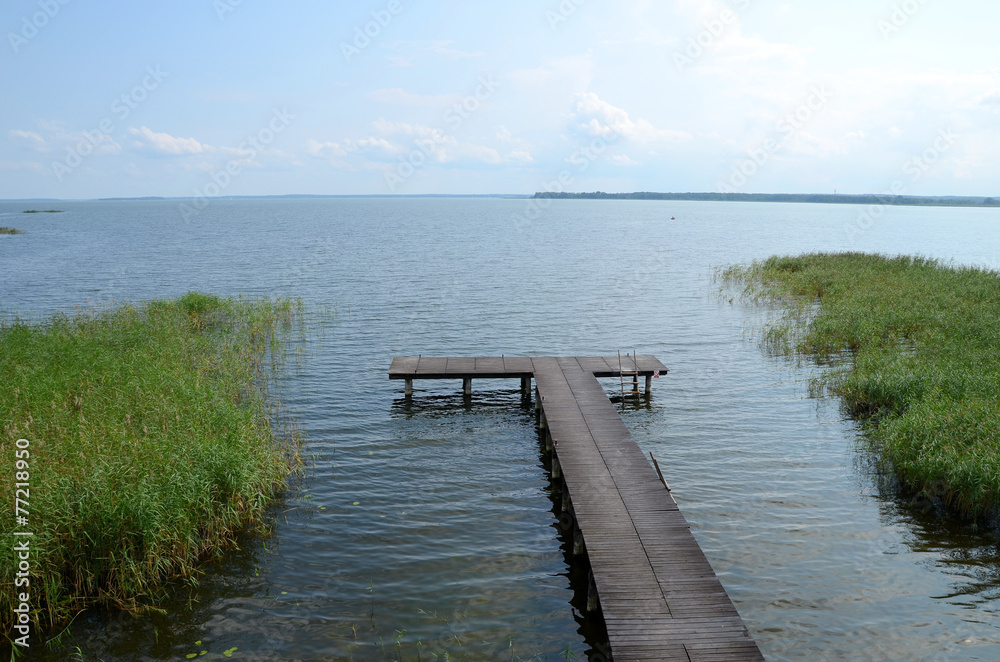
{"x":247,"y":97}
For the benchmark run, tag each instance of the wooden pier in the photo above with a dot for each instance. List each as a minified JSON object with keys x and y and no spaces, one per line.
{"x":658,"y":594}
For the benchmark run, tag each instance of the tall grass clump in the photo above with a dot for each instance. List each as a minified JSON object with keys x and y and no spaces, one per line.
{"x":153,"y":444}
{"x":922,"y":371}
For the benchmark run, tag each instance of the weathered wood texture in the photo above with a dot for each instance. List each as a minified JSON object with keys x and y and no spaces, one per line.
{"x":509,"y":367}
{"x":659,"y":596}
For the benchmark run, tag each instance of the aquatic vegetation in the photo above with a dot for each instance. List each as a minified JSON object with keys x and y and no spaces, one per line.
{"x":11,"y":231}
{"x":913,"y":346}
{"x":43,"y":211}
{"x":153,"y":443}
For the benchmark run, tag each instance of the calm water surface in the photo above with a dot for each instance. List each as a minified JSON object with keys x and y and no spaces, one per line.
{"x":426,"y":528}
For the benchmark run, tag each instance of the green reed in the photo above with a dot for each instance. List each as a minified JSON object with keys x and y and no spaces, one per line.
{"x":153,"y":444}
{"x":914,"y":347}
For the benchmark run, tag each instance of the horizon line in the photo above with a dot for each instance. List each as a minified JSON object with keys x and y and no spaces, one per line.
{"x":539,"y":194}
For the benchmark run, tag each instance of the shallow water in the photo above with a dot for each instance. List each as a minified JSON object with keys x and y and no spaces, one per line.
{"x":428,"y":528}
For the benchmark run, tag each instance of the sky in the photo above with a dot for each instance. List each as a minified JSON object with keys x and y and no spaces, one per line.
{"x":210,"y":98}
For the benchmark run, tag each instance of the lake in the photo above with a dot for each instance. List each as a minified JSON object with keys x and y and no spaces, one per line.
{"x":426,"y":528}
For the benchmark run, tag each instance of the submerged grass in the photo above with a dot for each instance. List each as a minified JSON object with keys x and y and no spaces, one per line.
{"x":152,"y":444}
{"x":923,"y":375}
{"x":10,"y":231}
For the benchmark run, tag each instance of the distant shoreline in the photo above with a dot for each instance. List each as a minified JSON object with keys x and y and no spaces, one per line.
{"x":812,"y":198}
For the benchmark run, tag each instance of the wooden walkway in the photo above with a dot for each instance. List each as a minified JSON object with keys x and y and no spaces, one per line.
{"x":658,"y":594}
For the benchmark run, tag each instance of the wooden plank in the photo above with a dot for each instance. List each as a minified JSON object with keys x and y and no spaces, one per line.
{"x":491,"y":366}
{"x":461,"y":366}
{"x":402,"y":367}
{"x":660,"y":598}
{"x":430,"y":367}
{"x":592,"y":364}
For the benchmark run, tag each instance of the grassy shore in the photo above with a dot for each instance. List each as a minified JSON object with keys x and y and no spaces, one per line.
{"x":922,"y":343}
{"x":152,"y":445}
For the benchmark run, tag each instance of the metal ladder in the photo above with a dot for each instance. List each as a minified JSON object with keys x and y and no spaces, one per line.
{"x":633,"y":384}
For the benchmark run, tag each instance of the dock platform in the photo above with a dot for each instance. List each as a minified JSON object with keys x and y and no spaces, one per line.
{"x":657,"y":592}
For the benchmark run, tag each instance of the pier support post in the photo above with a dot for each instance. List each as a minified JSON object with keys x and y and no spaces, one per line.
{"x":409,"y":387}
{"x":526,"y":386}
{"x":593,"y":601}
{"x":556,"y":469}
{"x":467,"y":386}
{"x":578,"y":544}
{"x":543,"y":424}
{"x":649,"y":384}
{"x":548,"y":442}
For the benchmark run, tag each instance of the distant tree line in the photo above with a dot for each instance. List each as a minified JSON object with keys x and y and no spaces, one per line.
{"x":824,"y":198}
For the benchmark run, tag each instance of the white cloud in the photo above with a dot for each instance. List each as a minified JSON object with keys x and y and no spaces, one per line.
{"x":391,"y":141}
{"x":446,"y":50}
{"x":597,"y":118}
{"x":102,"y":143}
{"x":623,"y":160}
{"x":520,"y":156}
{"x":370,"y":145}
{"x":352,"y":154}
{"x":164,"y":143}
{"x":57,"y":138}
{"x":241,"y":157}
{"x":325,"y":149}
{"x":416,"y":134}
{"x":439,"y":146}
{"x":29,"y":139}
